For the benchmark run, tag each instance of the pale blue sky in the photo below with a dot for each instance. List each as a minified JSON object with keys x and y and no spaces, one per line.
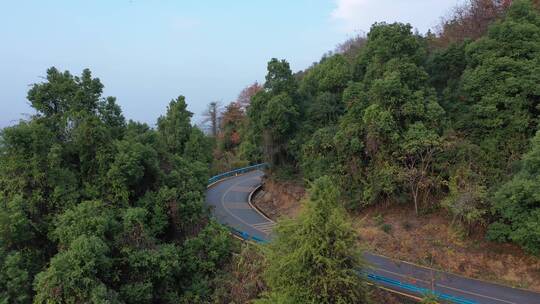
{"x":147,"y":52}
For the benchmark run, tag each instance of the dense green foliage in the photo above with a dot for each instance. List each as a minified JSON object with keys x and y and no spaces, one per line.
{"x":500,"y":89}
{"x":313,"y":259}
{"x":400,"y":119}
{"x":97,"y":210}
{"x":272,"y":115}
{"x":517,"y":203}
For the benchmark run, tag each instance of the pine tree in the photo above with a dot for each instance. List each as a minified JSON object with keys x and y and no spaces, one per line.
{"x":315,"y":258}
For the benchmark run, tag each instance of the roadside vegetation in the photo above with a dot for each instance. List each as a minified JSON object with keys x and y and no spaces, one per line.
{"x":315,"y":258}
{"x":442,"y":121}
{"x":95,"y":208}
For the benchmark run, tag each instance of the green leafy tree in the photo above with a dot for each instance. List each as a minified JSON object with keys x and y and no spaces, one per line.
{"x":133,"y":171}
{"x":77,"y":275}
{"x":390,"y":109}
{"x":445,"y":67}
{"x":467,"y":200}
{"x":419,"y":148}
{"x":204,"y":257}
{"x":198,"y":147}
{"x":15,"y":227}
{"x":315,"y":258}
{"x":331,"y":75}
{"x":500,"y":89}
{"x":97,"y":210}
{"x":324,"y":110}
{"x":319,"y":156}
{"x":517,"y":204}
{"x":279,"y":78}
{"x":64,"y":93}
{"x":273,"y":114}
{"x":251,"y":146}
{"x":15,"y":279}
{"x":386,"y":42}
{"x":155,"y":273}
{"x":278,"y":123}
{"x":279,"y":116}
{"x":111,"y":115}
{"x":175,"y":127}
{"x":91,"y":218}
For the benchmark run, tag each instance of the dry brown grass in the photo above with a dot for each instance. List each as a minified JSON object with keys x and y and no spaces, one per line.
{"x":243,"y":281}
{"x":431,"y":240}
{"x":428,"y":240}
{"x":387,"y":297}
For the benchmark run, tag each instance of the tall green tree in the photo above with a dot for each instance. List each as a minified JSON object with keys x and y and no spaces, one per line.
{"x":279,"y":78}
{"x":389,"y":110}
{"x":78,"y":274}
{"x":517,"y":204}
{"x":500,"y":89}
{"x":91,"y":206}
{"x":175,"y":126}
{"x":315,"y":258}
{"x":330,"y":75}
{"x":273,"y":114}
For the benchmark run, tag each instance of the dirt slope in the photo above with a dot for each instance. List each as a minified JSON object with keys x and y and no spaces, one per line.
{"x":429,"y":240}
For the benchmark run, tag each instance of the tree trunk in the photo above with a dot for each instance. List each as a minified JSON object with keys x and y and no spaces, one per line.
{"x":415,"y":198}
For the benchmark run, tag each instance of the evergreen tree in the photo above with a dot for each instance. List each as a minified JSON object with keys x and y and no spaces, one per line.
{"x":175,"y":127}
{"x":315,"y":258}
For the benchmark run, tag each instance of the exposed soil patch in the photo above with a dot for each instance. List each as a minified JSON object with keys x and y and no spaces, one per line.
{"x":277,"y":199}
{"x":387,"y":297}
{"x":428,"y":240}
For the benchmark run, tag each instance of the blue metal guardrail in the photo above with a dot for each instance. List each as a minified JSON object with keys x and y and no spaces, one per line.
{"x":246,"y":236}
{"x":419,"y":290}
{"x":221,"y":176}
{"x":371,"y":276}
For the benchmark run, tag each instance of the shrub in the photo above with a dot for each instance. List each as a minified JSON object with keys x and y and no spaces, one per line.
{"x":387,"y":228}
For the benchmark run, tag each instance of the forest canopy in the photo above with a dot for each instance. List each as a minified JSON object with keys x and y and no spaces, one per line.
{"x":95,"y":208}
{"x":98,"y":209}
{"x":444,"y":120}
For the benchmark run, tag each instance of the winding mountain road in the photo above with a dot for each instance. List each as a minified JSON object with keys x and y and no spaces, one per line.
{"x":229,"y":201}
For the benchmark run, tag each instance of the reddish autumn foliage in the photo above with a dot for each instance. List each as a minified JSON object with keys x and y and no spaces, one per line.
{"x":235,"y":138}
{"x":231,"y":120}
{"x":244,"y":98}
{"x":232,"y":116}
{"x":470,"y":21}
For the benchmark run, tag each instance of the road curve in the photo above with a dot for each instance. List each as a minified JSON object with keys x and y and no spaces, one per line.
{"x":228,"y":200}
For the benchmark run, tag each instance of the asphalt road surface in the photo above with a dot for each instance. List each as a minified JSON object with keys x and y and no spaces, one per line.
{"x":228,"y":200}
